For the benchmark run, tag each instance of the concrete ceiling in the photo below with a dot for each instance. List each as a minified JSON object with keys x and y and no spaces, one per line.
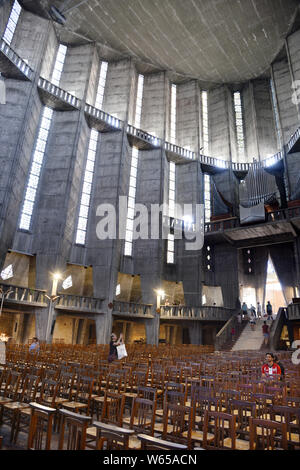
{"x":218,"y":41}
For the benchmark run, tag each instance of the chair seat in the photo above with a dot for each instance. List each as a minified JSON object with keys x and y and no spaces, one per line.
{"x":74,"y":405}
{"x":134,"y":443}
{"x":16,"y":405}
{"x":239,"y":444}
{"x":98,"y":399}
{"x":57,"y":400}
{"x":5,"y":400}
{"x":25,"y":411}
{"x":197,"y":436}
{"x":91,"y":432}
{"x":130,"y":395}
{"x":135,"y":422}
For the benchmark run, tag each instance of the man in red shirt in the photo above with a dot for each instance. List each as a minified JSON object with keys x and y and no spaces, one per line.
{"x":270,"y":369}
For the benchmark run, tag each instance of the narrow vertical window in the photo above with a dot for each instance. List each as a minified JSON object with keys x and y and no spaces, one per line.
{"x":131,"y":202}
{"x":35,"y":170}
{"x":87,"y":189}
{"x":12,"y":22}
{"x":207,"y":198}
{"x":139,"y":101}
{"x":239,"y":123}
{"x":59,"y":65}
{"x":101,"y":85}
{"x":172,"y":186}
{"x":173,"y":115}
{"x":204,"y":98}
{"x":133,"y":173}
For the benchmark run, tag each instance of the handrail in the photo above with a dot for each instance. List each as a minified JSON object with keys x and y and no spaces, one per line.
{"x":197,"y":313}
{"x":78,"y":302}
{"x":59,"y":93}
{"x":293,"y":139}
{"x":132,"y":308}
{"x":14,"y":293}
{"x":16,"y":59}
{"x":102,"y":116}
{"x":151,"y":139}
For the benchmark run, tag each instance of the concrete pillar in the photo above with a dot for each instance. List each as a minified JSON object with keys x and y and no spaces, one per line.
{"x":221,"y":124}
{"x":189,"y":190}
{"x":19,"y":119}
{"x":195,"y":332}
{"x":156,"y":100}
{"x":288,"y":112}
{"x":293,"y":54}
{"x":188,"y":122}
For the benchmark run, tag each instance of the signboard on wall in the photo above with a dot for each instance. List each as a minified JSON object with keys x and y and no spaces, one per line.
{"x":2,"y":353}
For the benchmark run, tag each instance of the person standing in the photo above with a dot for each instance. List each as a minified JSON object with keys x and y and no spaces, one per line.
{"x":269,"y":310}
{"x":265,"y":330}
{"x":252,"y":310}
{"x":113,"y":353}
{"x":259,"y":310}
{"x":35,"y":345}
{"x":245,"y":309}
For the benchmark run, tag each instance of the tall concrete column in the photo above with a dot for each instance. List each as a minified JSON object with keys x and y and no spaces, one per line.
{"x":195,"y":332}
{"x":19,"y":119}
{"x":188,"y":123}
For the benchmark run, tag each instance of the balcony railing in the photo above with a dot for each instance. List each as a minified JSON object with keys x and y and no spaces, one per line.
{"x":221,"y":225}
{"x":144,"y":136}
{"x":294,"y":139}
{"x":23,"y":295}
{"x":132,"y":308}
{"x":180,"y":151}
{"x":294,"y":312}
{"x":109,"y":121}
{"x":59,"y":93}
{"x":196,"y":313}
{"x":16,"y":60}
{"x":79,"y":303}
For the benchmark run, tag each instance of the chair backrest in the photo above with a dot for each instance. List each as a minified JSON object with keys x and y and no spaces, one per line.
{"x":116,"y":438}
{"x":222,"y":426}
{"x":73,"y":430}
{"x":149,"y":393}
{"x":30,"y":388}
{"x":267,"y":435}
{"x":242,"y":410}
{"x":65,"y":385}
{"x":291,"y":416}
{"x":113,"y":408}
{"x":143,"y":415}
{"x":40,"y":428}
{"x":178,"y":419}
{"x":12,"y":386}
{"x":48,"y":392}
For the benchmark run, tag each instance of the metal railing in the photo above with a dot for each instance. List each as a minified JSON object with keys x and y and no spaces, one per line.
{"x":144,"y":136}
{"x":59,"y":93}
{"x":17,"y":294}
{"x":78,"y":303}
{"x":180,"y":151}
{"x":132,"y":308}
{"x":295,"y":137}
{"x":196,"y":313}
{"x":104,"y":117}
{"x":16,"y":59}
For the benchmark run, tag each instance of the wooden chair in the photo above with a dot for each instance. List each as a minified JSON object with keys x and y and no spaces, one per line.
{"x":40,"y":427}
{"x":113,"y":384}
{"x":82,"y":398}
{"x":142,"y":419}
{"x":154,"y":443}
{"x":10,"y":392}
{"x":243,"y":411}
{"x":178,"y":424}
{"x":291,"y":416}
{"x":267,"y":435}
{"x":27,"y":394}
{"x":115,"y":438}
{"x":222,"y":427}
{"x":73,"y":429}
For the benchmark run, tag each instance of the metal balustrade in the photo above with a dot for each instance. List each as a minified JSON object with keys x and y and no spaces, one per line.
{"x":100,"y":115}
{"x":59,"y":93}
{"x":293,"y":140}
{"x":180,"y":151}
{"x":294,"y":312}
{"x":21,"y":65}
{"x":23,"y":295}
{"x":196,"y":313}
{"x":78,"y":303}
{"x":142,"y":135}
{"x":132,"y":308}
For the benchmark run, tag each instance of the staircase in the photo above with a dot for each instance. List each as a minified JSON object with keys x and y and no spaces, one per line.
{"x":250,"y":340}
